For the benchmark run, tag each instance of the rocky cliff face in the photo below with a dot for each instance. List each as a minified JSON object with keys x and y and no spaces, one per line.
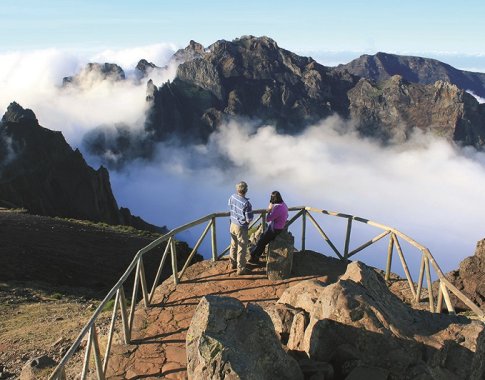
{"x":252,"y":78}
{"x":40,"y":172}
{"x":391,"y":109}
{"x":382,"y":66}
{"x":470,"y":277}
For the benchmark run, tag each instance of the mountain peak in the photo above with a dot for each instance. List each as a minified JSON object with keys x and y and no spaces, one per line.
{"x":17,"y":114}
{"x":192,"y":51}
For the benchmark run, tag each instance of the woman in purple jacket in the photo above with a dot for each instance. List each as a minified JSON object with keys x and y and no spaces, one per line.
{"x":277,"y":216}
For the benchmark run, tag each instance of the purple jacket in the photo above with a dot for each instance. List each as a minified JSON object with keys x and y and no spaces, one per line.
{"x":278,"y":216}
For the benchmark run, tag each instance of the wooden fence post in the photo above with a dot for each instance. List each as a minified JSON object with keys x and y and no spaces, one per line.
{"x":144,"y":289}
{"x":430,"y":285}
{"x":347,"y":238}
{"x":124,"y":315}
{"x":174,"y":262}
{"x":111,"y":331}
{"x":420,"y":280}
{"x":404,"y":265}
{"x":214,"y":239}
{"x":97,"y":354}
{"x":389,"y":257}
{"x":160,"y":269}
{"x":303,"y":230}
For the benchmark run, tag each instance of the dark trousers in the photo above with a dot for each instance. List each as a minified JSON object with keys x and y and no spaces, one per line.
{"x":264,"y":239}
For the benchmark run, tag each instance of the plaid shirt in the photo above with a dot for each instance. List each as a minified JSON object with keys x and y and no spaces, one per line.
{"x":241,"y":210}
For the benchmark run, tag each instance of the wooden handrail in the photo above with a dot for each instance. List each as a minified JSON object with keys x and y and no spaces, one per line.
{"x":303,"y":212}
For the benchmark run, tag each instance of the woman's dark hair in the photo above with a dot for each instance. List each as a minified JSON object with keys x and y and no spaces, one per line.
{"x":276,"y":197}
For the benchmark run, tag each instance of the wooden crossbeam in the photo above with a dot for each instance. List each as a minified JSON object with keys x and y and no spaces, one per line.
{"x":366,"y":244}
{"x":324,"y":235}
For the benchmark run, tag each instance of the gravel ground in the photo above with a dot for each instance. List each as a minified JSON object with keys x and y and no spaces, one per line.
{"x":53,"y":274}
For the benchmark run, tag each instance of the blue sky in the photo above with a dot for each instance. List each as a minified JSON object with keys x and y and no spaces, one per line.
{"x":428,"y":28}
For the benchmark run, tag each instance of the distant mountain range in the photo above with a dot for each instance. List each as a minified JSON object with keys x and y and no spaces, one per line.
{"x":386,"y":96}
{"x":382,"y":66}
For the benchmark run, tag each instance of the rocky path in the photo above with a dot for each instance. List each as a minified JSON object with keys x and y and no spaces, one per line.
{"x":159,"y":331}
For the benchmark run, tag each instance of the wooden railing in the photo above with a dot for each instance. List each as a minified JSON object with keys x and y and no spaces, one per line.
{"x":126,"y":312}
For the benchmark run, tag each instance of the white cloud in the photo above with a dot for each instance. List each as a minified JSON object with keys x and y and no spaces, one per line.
{"x":33,"y":80}
{"x":426,"y":188}
{"x":478,"y":98}
{"x":159,"y":54}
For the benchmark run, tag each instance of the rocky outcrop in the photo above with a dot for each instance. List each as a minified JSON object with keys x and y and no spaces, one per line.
{"x":192,"y":51}
{"x":360,"y":327}
{"x":95,"y":72}
{"x":41,"y":173}
{"x":280,"y":256}
{"x":470,"y":278}
{"x":392,"y":109}
{"x":144,"y":67}
{"x":249,"y":77}
{"x":382,"y":66}
{"x":477,"y":370}
{"x":34,"y":367}
{"x":225,"y":340}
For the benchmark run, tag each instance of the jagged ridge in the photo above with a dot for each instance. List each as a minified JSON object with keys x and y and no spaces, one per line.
{"x":253,"y":78}
{"x":41,"y":173}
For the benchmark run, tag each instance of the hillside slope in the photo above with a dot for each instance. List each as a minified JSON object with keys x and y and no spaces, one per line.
{"x":68,"y":253}
{"x":53,"y":273}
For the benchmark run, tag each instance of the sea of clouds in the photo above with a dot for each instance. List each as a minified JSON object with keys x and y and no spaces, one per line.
{"x":426,"y":188}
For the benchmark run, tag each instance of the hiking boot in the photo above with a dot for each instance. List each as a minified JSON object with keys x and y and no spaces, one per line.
{"x":242,"y":272}
{"x":254,"y":260}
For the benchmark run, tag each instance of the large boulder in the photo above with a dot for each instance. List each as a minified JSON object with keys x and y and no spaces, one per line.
{"x":225,"y":340}
{"x":282,"y":317}
{"x":303,"y":295}
{"x":280,"y":256}
{"x":470,"y":278}
{"x":478,"y":364}
{"x":36,"y":367}
{"x":359,"y":326}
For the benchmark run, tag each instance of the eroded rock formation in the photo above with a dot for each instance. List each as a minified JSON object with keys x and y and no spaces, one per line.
{"x":393,"y":109}
{"x":470,"y":277}
{"x":358,"y":326}
{"x":382,"y":66}
{"x":95,"y":72}
{"x":225,"y":340}
{"x":350,"y":329}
